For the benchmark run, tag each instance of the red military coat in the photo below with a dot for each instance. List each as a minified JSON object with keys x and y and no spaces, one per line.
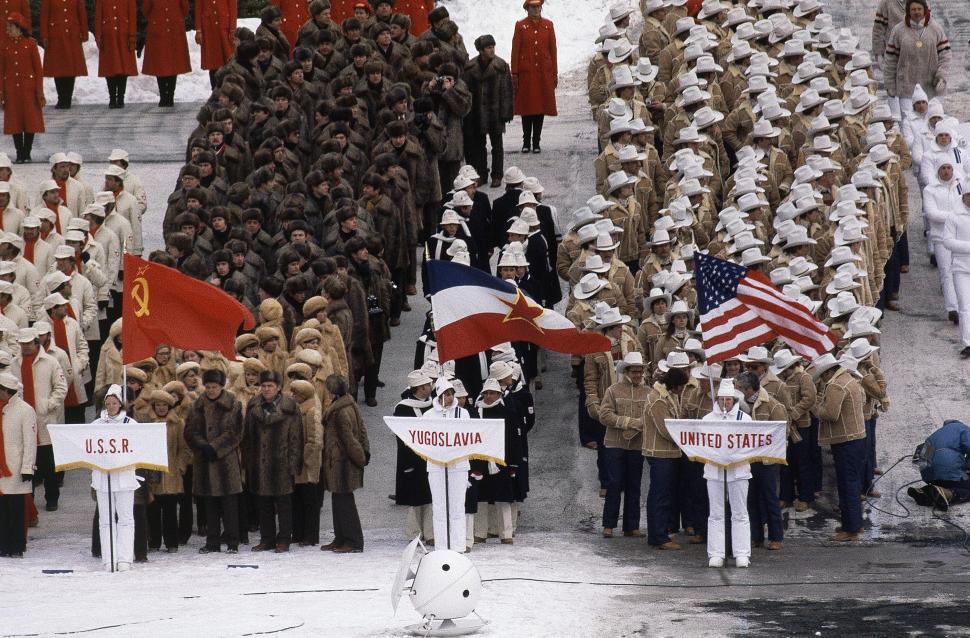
{"x":418,"y":11}
{"x":340,"y":10}
{"x":216,"y":24}
{"x":63,"y":27}
{"x":295,"y":14}
{"x":166,"y":49}
{"x":535,"y":67}
{"x":115,"y":31}
{"x":13,"y":6}
{"x":22,"y":87}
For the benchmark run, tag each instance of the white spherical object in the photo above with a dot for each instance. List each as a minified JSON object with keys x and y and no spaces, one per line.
{"x":446,"y":585}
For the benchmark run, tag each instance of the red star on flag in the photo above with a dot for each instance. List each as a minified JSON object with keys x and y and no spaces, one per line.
{"x":521,"y":309}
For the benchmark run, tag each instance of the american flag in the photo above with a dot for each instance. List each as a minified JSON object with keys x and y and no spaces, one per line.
{"x":740,"y":308}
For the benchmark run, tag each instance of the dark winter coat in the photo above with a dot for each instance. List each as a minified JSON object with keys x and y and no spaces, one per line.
{"x":411,"y":476}
{"x":502,"y":487}
{"x":504,"y":208}
{"x":451,"y":107}
{"x":217,"y":423}
{"x":273,"y":446}
{"x":490,"y":85}
{"x":346,"y":449}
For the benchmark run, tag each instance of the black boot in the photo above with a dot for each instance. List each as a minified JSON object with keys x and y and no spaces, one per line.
{"x":162,"y":89}
{"x":28,"y":146}
{"x":112,"y":91}
{"x":122,"y":86}
{"x":168,"y":93}
{"x":537,"y":133}
{"x":59,"y":85}
{"x":68,"y":92}
{"x":18,"y":143}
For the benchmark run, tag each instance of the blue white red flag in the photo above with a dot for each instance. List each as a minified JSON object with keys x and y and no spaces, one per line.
{"x":740,"y":308}
{"x":473,"y":311}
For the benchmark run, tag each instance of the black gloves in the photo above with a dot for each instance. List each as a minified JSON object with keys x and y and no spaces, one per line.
{"x":209,"y":453}
{"x":27,"y":477}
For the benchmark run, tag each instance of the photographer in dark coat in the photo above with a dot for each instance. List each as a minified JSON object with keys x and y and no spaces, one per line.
{"x":490,"y":82}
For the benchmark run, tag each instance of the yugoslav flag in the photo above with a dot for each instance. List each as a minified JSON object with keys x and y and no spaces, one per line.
{"x":474,"y":311}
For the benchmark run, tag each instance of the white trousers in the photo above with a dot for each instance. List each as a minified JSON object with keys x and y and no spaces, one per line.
{"x":498,"y":519}
{"x":740,"y":526}
{"x":943,"y":259}
{"x":961,"y":284}
{"x":418,"y":523}
{"x":457,"y":482}
{"x":123,"y":504}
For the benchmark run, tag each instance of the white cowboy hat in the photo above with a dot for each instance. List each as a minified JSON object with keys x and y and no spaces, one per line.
{"x":588,"y":286}
{"x":823,"y":363}
{"x":631,"y":359}
{"x":656,"y":294}
{"x":675,"y":359}
{"x":609,"y":318}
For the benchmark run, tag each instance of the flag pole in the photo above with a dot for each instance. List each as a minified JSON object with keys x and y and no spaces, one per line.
{"x":111,"y":526}
{"x":447,"y":510}
{"x":724,"y":495}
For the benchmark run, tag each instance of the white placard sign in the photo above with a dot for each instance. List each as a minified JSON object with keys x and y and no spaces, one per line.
{"x":109,"y":447}
{"x":451,"y":440}
{"x":730,"y":443}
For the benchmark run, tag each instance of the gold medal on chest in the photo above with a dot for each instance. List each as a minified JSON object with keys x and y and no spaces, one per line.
{"x":919,"y":44}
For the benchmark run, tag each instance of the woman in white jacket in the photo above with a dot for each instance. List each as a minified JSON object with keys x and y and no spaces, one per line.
{"x":915,"y":125}
{"x":727,"y":408}
{"x":956,"y":238}
{"x":940,"y":199}
{"x":445,"y":406}
{"x":946,"y":144}
{"x":123,"y":486}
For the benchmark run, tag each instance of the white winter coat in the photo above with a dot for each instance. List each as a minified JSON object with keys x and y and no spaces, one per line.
{"x":50,"y":388}
{"x":940,"y":199}
{"x":19,"y":445}
{"x":738,"y":472}
{"x":956,"y":238}
{"x":933,"y":154}
{"x":122,"y":480}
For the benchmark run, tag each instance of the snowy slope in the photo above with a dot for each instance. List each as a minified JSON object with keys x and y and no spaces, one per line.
{"x":577,"y":23}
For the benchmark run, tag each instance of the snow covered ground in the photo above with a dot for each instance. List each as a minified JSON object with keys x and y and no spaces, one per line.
{"x":577,"y":22}
{"x":192,"y":87}
{"x":311,"y":593}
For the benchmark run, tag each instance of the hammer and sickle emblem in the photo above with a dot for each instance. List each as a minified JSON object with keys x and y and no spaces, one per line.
{"x":139,"y":294}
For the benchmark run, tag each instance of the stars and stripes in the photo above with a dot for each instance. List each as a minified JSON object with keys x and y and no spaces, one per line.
{"x":741,"y":308}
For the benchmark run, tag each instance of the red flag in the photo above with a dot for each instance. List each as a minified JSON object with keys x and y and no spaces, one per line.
{"x":161,"y":305}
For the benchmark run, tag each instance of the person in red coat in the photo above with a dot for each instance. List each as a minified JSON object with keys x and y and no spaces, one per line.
{"x":535,"y":73}
{"x":418,"y":11}
{"x":116,"y":32}
{"x":295,"y":13}
{"x":13,"y":6}
{"x":166,"y":49}
{"x":21,"y":87}
{"x":63,"y":28}
{"x":215,"y":23}
{"x":340,"y":10}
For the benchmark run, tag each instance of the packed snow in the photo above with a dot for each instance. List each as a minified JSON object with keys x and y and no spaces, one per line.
{"x":91,"y":89}
{"x":577,"y":24}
